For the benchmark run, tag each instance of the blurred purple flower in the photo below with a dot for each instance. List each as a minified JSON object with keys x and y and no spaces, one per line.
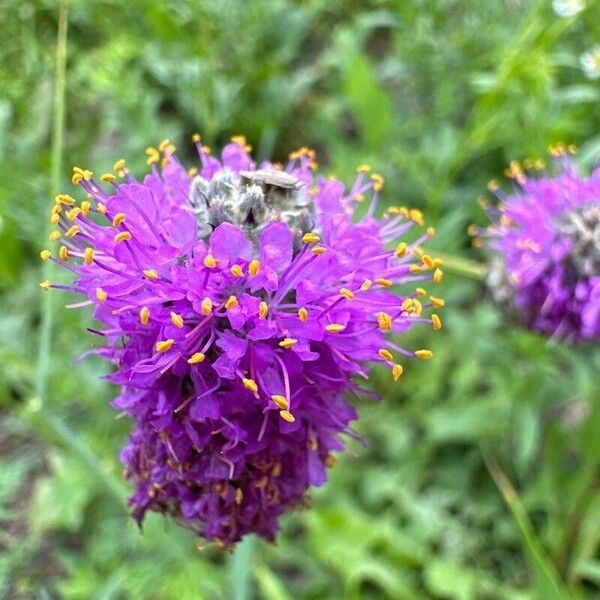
{"x":238,"y":304}
{"x":547,"y":242}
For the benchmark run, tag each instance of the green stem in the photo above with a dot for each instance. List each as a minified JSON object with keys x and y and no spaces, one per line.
{"x":240,"y":569}
{"x":463,"y":266}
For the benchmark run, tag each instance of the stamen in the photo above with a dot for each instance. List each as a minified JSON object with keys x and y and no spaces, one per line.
{"x":232,"y":302}
{"x":119,"y":165}
{"x":164,"y":345}
{"x":45,"y":254}
{"x":310,"y":238}
{"x":423,"y":354}
{"x":437,"y":322}
{"x":302,"y":314}
{"x":118,"y":219}
{"x":384,"y":321}
{"x":144,"y":315}
{"x":253,"y":267}
{"x":86,"y":205}
{"x":122,"y":236}
{"x":206,"y":306}
{"x":150,"y":273}
{"x":63,"y":253}
{"x":210,"y":261}
{"x":54,"y":236}
{"x":101,"y":295}
{"x":437,"y":276}
{"x":72,"y":231}
{"x":383,"y":282}
{"x":250,"y":384}
{"x":176,"y":319}
{"x":318,"y":250}
{"x":335,"y":327}
{"x":421,"y":292}
{"x":366,"y":285}
{"x":45,"y":285}
{"x":281,"y":401}
{"x":286,"y":415}
{"x":397,"y":371}
{"x":88,"y":255}
{"x":107,"y":177}
{"x":437,"y":302}
{"x":73,"y":213}
{"x":385,"y":354}
{"x":263,"y":309}
{"x":288,"y":343}
{"x":101,"y":208}
{"x":195,"y":358}
{"x":346,"y":293}
{"x":236,"y":271}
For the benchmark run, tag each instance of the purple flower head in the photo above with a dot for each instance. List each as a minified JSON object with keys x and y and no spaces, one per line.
{"x":238,"y":305}
{"x":546,"y":236}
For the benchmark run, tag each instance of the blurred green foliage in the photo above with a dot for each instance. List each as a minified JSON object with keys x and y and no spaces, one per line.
{"x":482,"y":470}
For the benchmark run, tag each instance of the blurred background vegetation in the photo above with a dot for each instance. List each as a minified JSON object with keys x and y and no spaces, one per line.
{"x":482,"y":470}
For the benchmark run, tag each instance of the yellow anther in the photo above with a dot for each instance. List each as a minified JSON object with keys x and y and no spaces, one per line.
{"x":436,"y":322}
{"x":164,"y":144}
{"x":263,"y":309}
{"x":359,"y":197}
{"x":281,"y":401}
{"x":196,"y":358}
{"x":170,"y":149}
{"x":417,"y":216}
{"x":385,"y":354}
{"x":303,"y":314}
{"x":239,"y":496}
{"x":378,"y":182}
{"x":427,"y":261}
{"x":153,"y":155}
{"x":64,"y":199}
{"x":421,"y":292}
{"x":119,"y":165}
{"x":363,"y":169}
{"x":346,"y":293}
{"x":240,"y":140}
{"x":318,"y":250}
{"x":88,"y":255}
{"x":150,"y":273}
{"x":54,"y":218}
{"x":431,"y":231}
{"x":335,"y":327}
{"x":196,"y":137}
{"x":73,"y":213}
{"x":63,"y":253}
{"x":406,"y":304}
{"x":122,"y":237}
{"x":193,"y":171}
{"x":118,"y":219}
{"x":437,"y":276}
{"x":232,"y":302}
{"x":423,"y":354}
{"x":287,"y":343}
{"x":206,"y":306}
{"x":101,"y":295}
{"x":57,"y":208}
{"x":414,"y":268}
{"x":77,"y":178}
{"x":286,"y":415}
{"x":311,"y":238}
{"x":72,"y":231}
{"x":78,"y":170}
{"x":87,"y":175}
{"x":366,"y":285}
{"x":397,"y":371}
{"x":437,"y":302}
{"x":144,"y":315}
{"x":176,"y":319}
{"x":276,"y":472}
{"x":250,"y":384}
{"x":85,"y":208}
{"x":45,"y":285}
{"x":45,"y":254}
{"x":107,"y":177}
{"x":254,"y":267}
{"x":54,"y":235}
{"x":437,"y":262}
{"x":210,"y":261}
{"x":164,"y":345}
{"x":206,"y":149}
{"x":492,"y":185}
{"x":383,"y":282}
{"x":101,"y":208}
{"x":384,"y":321}
{"x":237,"y":271}
{"x":400,"y":250}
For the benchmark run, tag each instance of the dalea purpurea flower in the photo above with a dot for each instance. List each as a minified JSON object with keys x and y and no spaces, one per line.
{"x":240,"y":305}
{"x":545,"y":238}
